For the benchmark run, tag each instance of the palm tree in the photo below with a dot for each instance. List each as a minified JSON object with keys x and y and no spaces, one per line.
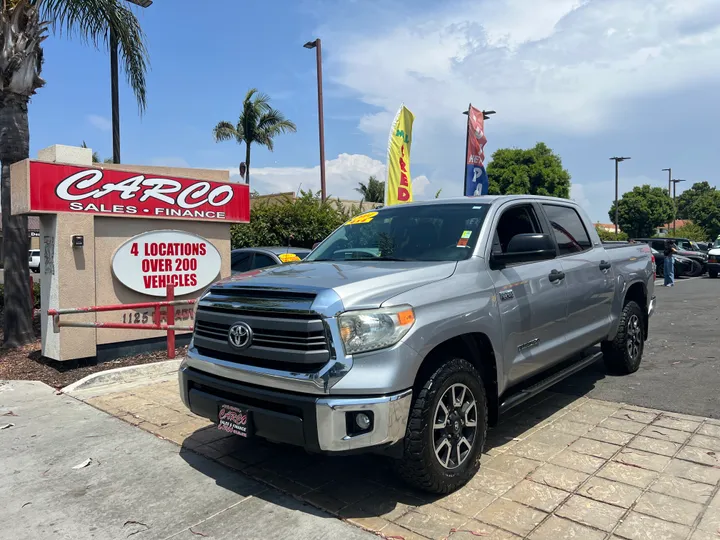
{"x":258,"y":123}
{"x":23,"y":28}
{"x":373,"y":191}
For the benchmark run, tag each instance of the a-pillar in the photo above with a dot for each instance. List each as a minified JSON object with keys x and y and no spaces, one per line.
{"x":68,"y":273}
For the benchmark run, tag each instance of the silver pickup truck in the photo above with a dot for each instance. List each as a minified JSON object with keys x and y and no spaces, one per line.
{"x":411,"y":328}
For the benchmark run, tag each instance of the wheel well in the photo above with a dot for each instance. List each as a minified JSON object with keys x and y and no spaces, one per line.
{"x":637,"y":293}
{"x":475,"y":348}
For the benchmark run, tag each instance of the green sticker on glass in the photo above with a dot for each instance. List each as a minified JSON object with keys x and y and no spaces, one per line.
{"x":466,"y":234}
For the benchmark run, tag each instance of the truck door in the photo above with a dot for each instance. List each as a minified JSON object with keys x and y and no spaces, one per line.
{"x":588,"y":275}
{"x":531,"y":298}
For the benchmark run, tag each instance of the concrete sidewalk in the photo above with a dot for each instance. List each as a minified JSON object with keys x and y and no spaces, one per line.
{"x":135,"y":485}
{"x":561,"y":467}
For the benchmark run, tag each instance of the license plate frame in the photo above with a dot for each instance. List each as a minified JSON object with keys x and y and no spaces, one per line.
{"x":235,"y":420}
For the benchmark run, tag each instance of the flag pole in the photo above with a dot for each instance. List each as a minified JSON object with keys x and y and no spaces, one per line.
{"x":467,"y":143}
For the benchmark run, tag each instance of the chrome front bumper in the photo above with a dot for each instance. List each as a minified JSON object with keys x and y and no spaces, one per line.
{"x":390,"y":421}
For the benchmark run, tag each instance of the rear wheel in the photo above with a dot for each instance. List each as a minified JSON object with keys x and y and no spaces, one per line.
{"x":713,"y":273}
{"x":623,"y":354}
{"x":446,"y":429}
{"x":696,"y":269}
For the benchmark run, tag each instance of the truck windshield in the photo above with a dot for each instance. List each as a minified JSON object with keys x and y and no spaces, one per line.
{"x":437,"y":232}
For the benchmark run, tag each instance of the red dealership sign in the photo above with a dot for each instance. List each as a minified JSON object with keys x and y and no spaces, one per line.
{"x":56,"y":188}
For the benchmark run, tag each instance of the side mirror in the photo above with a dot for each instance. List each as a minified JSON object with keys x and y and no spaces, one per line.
{"x":527,"y":247}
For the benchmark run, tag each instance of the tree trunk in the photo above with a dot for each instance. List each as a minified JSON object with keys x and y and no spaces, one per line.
{"x":15,"y":146}
{"x":247,"y":163}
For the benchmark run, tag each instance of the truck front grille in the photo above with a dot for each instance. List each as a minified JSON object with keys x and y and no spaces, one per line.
{"x":287,"y":335}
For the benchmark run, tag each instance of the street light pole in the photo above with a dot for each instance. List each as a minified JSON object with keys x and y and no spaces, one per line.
{"x":675,"y":182}
{"x":317,"y":45}
{"x":114,"y":90}
{"x":669,"y":171}
{"x":617,"y":160}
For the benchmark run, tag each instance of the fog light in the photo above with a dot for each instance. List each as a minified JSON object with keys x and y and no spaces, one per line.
{"x":362,"y":420}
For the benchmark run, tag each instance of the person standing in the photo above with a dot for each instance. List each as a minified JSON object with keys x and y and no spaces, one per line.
{"x":669,"y":264}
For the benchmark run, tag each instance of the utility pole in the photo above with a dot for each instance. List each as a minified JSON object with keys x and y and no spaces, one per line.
{"x":669,"y":171}
{"x":317,"y":45}
{"x":617,"y":160}
{"x":675,"y":182}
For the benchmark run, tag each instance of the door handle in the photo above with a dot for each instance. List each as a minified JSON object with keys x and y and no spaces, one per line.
{"x":556,"y":276}
{"x":604,"y":265}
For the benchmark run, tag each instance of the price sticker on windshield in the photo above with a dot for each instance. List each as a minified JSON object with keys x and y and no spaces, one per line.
{"x":362,"y":218}
{"x":288,"y":257}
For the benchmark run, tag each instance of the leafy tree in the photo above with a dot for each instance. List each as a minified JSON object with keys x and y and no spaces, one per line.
{"x":96,"y":156}
{"x":692,"y":231}
{"x":687,"y":199}
{"x":705,"y":211}
{"x":301,"y":222}
{"x":607,"y":236}
{"x":23,"y":28}
{"x":373,"y":191}
{"x":258,"y":123}
{"x":535,"y":171}
{"x":642,"y":210}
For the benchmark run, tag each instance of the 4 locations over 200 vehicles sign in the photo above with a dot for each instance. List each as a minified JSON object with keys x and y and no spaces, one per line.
{"x":64,"y":188}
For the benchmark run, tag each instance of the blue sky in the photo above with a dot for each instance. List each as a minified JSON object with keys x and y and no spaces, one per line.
{"x":591,"y":78}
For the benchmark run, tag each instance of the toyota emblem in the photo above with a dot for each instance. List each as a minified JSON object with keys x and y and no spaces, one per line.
{"x":240,"y":335}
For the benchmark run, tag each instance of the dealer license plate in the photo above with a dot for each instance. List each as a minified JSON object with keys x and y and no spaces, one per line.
{"x":235,"y":420}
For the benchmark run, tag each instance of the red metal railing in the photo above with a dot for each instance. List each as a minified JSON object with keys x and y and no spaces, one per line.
{"x":157,"y":323}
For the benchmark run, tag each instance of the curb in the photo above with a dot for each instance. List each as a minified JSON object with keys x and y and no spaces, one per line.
{"x":144,"y":373}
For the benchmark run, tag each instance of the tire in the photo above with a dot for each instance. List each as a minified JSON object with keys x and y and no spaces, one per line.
{"x":713,"y":273}
{"x":430,"y":460}
{"x":696,"y":270}
{"x":624,"y":354}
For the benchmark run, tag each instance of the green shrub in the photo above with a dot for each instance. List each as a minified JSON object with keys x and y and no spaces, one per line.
{"x":606,"y":236}
{"x":300,"y":222}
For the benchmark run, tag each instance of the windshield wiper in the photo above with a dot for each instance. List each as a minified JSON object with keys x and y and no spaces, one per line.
{"x":368,"y":258}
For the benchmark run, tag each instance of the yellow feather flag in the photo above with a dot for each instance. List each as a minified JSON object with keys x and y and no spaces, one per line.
{"x":399,"y":183}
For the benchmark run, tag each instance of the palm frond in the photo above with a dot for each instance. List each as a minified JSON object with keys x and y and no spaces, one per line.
{"x":92,"y":21}
{"x":225,"y":131}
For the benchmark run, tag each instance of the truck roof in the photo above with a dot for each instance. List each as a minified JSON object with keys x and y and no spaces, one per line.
{"x":487,"y":199}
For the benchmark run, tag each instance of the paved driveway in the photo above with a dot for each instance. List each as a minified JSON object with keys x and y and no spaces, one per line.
{"x":135,"y":486}
{"x":681,"y":367}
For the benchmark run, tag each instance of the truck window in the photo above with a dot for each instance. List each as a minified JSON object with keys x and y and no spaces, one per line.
{"x":240,"y":262}
{"x":261,"y":261}
{"x":437,"y":232}
{"x":568,"y":228}
{"x":515,"y":220}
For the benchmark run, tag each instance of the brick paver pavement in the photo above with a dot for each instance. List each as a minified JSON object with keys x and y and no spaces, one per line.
{"x":560,"y":467}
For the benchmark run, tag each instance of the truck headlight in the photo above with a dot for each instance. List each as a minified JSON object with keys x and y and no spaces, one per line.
{"x":369,"y":330}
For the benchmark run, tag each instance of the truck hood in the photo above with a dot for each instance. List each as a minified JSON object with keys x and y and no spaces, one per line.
{"x":359,"y":284}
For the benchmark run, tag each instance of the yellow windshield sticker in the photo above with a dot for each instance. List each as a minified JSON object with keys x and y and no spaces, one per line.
{"x":288,"y":257}
{"x":362,"y":218}
{"x":466,"y":234}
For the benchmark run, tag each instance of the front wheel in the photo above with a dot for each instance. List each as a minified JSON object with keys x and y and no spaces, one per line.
{"x":446,"y":429}
{"x":623,"y":354}
{"x":713,"y":273}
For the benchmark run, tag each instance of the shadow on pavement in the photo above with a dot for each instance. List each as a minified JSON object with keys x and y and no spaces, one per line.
{"x":363,"y":489}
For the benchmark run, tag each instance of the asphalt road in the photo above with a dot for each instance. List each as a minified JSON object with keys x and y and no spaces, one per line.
{"x":680,"y":371}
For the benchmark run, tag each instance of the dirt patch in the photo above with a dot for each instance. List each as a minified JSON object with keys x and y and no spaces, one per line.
{"x":27,"y":363}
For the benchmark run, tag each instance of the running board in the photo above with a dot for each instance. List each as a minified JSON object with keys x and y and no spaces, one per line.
{"x":525,"y":394}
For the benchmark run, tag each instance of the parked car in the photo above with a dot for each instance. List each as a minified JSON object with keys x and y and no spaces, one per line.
{"x":713,"y":263}
{"x":411,"y":328}
{"x":682,"y":244}
{"x":34,"y":260}
{"x":683,"y":265}
{"x":245,"y":259}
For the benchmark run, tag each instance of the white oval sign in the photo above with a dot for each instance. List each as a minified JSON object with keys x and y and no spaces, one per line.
{"x":149,"y":262}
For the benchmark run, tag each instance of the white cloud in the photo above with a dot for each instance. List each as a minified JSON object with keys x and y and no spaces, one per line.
{"x":99,"y":122}
{"x":342,"y":176}
{"x":169,"y":161}
{"x":555,"y":64}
